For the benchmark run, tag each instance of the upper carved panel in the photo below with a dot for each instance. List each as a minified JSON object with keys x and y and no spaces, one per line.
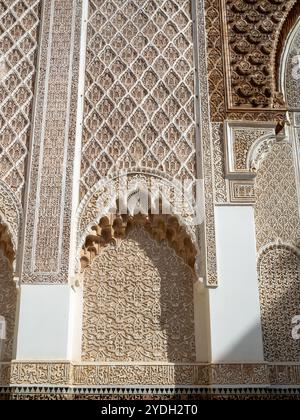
{"x":253,"y":28}
{"x":19,"y":22}
{"x":139,"y":100}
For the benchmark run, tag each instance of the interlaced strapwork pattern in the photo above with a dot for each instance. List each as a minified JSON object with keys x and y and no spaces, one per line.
{"x":139,"y":99}
{"x":19,"y":22}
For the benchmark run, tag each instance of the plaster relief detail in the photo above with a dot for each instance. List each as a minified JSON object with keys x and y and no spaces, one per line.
{"x":279,"y":277}
{"x":138,"y":304}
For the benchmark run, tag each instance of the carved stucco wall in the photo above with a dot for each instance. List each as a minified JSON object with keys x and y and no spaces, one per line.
{"x":141,"y":101}
{"x":8,"y":304}
{"x":138,"y":304}
{"x":18,"y":47}
{"x":277,"y":222}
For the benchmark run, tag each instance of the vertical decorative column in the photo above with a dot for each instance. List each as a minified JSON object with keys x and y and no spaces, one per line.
{"x":49,"y":198}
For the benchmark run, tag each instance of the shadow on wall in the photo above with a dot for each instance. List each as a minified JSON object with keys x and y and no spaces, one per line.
{"x":139,"y":304}
{"x":279,"y":289}
{"x":8,"y":306}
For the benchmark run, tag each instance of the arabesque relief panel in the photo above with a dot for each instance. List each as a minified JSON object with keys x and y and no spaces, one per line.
{"x":138,"y":304}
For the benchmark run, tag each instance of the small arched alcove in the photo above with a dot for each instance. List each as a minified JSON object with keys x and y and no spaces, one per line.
{"x":139,"y":291}
{"x":279,"y":277}
{"x":277,"y":211}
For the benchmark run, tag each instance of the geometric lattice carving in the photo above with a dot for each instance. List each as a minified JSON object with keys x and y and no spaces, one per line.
{"x":8,"y":304}
{"x":139,"y":100}
{"x":19,"y":22}
{"x":279,"y":272}
{"x":277,"y":211}
{"x":138,"y":304}
{"x":253,"y":29}
{"x":160,"y":227}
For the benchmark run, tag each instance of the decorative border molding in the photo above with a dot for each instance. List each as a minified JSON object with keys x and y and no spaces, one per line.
{"x":242,"y":192}
{"x":103,"y":376}
{"x":150,"y":393}
{"x":49,"y":199}
{"x":209,"y":230}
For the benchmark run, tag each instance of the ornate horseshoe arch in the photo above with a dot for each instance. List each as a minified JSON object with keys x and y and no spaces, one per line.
{"x":97,"y":226}
{"x":115,"y":228}
{"x":279,"y":275}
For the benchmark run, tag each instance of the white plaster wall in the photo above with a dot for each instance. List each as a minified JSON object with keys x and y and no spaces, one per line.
{"x":44,"y":331}
{"x":76,"y":318}
{"x":236,"y":335}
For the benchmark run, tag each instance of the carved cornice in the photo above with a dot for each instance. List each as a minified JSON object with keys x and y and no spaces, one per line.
{"x":287,"y":28}
{"x":252,"y":30}
{"x":235,"y":393}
